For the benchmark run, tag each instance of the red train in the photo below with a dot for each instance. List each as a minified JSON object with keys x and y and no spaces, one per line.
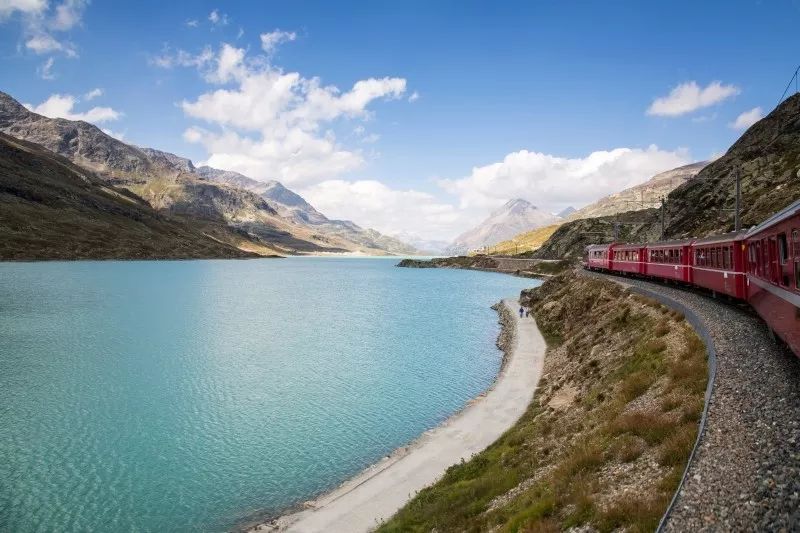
{"x":760,"y":266}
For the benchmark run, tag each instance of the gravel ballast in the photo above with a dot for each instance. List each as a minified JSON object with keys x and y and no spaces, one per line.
{"x":745,"y":474}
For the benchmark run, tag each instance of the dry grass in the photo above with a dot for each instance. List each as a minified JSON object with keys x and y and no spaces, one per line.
{"x":524,"y":242}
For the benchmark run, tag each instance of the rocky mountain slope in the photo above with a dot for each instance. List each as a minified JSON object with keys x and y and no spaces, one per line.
{"x":645,"y":195}
{"x":172,"y":185}
{"x":767,"y":156}
{"x":52,"y":209}
{"x":292,"y":206}
{"x":515,"y":217}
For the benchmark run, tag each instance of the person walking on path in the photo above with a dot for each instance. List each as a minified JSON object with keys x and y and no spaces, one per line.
{"x":521,"y":312}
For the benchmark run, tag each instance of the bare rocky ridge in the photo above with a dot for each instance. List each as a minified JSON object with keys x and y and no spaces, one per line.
{"x":292,"y":206}
{"x":52,"y":209}
{"x":172,"y":184}
{"x":644,"y":195}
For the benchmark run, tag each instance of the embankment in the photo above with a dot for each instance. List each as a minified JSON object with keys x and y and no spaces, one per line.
{"x":526,"y":267}
{"x":607,"y":437}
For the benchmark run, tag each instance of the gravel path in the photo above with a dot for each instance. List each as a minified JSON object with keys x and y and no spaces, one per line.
{"x":745,"y":475}
{"x":376,"y":494}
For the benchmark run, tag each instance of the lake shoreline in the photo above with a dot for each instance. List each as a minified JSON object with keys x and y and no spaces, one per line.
{"x":377,"y":492}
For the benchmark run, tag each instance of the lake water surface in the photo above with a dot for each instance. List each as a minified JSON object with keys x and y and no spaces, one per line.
{"x":166,"y":396}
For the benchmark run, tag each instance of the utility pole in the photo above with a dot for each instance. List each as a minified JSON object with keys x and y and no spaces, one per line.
{"x":663,"y":216}
{"x":737,"y":224}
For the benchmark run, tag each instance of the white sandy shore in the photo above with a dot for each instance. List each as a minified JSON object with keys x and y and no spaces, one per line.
{"x":361,"y":503}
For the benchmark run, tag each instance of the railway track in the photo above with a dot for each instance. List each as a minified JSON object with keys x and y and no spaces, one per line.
{"x":745,"y":474}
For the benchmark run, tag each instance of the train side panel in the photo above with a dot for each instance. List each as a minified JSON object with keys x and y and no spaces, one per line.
{"x":772,"y":255}
{"x":717,"y":265}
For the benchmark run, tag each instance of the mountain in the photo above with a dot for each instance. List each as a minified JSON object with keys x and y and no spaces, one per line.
{"x":423,"y":246}
{"x":52,"y":209}
{"x":292,"y":206}
{"x":644,"y":195}
{"x":564,"y":213}
{"x":286,"y":202}
{"x":767,"y":156}
{"x":172,"y":185}
{"x":524,"y":243}
{"x":515,"y":217}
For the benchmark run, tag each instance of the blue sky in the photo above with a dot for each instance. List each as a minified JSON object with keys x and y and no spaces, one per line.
{"x":469,"y":103}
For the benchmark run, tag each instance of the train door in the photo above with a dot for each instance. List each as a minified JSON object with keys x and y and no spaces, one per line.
{"x":784,"y":265}
{"x":773,"y":259}
{"x":796,"y":249}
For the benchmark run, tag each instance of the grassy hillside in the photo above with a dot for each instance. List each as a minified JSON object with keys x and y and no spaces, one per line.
{"x":52,"y":209}
{"x":524,"y":242}
{"x":607,"y":436}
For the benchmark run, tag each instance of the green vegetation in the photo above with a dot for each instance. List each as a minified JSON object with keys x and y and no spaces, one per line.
{"x":607,"y":436}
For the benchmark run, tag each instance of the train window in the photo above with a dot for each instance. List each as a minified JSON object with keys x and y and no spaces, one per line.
{"x":727,"y":257}
{"x":796,"y":240}
{"x":783,"y":248}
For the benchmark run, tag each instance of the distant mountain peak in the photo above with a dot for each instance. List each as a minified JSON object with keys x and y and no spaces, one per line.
{"x":567,"y":211}
{"x":515,"y":216}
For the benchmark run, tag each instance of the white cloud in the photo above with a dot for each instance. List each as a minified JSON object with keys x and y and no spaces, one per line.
{"x":192,"y":23}
{"x":94,"y":93}
{"x":414,"y":97}
{"x":62,"y":106}
{"x":217,"y":18}
{"x":42,"y":24}
{"x":68,"y":14}
{"x":689,"y":96}
{"x":28,"y":7}
{"x":375,"y":205}
{"x":181,"y":58}
{"x":45,"y":71}
{"x":271,"y":40}
{"x":548,"y":181}
{"x":747,"y":119}
{"x":44,"y":43}
{"x":553,"y":182}
{"x":117,"y":135}
{"x":275,"y":124}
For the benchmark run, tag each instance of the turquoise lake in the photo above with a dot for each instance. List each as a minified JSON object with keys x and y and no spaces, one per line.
{"x":170,"y":396}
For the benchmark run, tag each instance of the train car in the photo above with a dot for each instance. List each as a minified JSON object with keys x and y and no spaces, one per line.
{"x":718,"y":264}
{"x":628,"y":258}
{"x":773,"y":273}
{"x":598,"y":257}
{"x":669,"y":260}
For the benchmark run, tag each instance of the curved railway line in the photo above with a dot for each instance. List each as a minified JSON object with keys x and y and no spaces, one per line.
{"x":745,"y":473}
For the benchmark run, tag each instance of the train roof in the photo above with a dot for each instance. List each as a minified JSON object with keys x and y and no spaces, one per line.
{"x":630,"y":245}
{"x":723,"y":237}
{"x":780,"y":216}
{"x":670,"y":244}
